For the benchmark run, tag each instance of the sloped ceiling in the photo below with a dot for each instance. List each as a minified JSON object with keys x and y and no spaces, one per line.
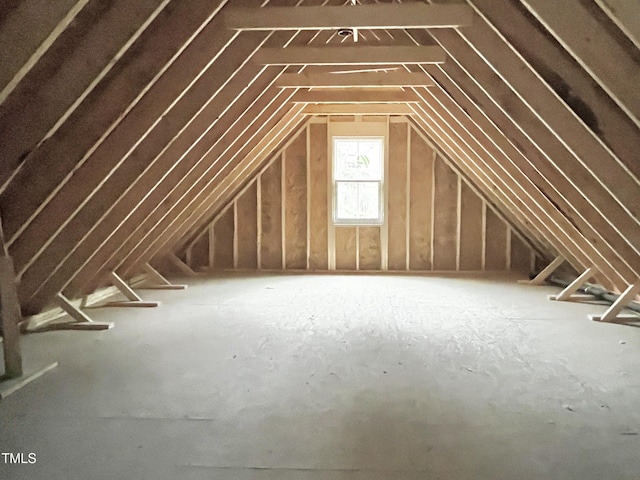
{"x":124,"y":126}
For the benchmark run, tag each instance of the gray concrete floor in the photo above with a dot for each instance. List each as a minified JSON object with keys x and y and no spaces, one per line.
{"x":334,"y":377}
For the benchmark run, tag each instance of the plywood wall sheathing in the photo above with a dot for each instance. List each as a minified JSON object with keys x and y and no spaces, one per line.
{"x":247,"y":229}
{"x":318,"y":171}
{"x":398,"y":194}
{"x":271,"y":217}
{"x":420,"y":208}
{"x":295,"y":208}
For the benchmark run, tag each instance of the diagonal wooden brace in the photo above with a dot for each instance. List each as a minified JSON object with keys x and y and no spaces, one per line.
{"x":613,"y":312}
{"x":159,"y":282}
{"x":133,"y":300}
{"x":569,"y":293}
{"x":546,"y":272}
{"x":81,"y":319}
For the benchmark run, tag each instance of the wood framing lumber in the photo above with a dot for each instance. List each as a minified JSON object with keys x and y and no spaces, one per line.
{"x":613,"y":313}
{"x":569,"y":293}
{"x":81,"y":319}
{"x":377,"y":16}
{"x":626,"y":15}
{"x":158,"y":282}
{"x":589,"y":42}
{"x":125,"y":289}
{"x":180,"y":265}
{"x":45,"y":21}
{"x":9,"y":386}
{"x":546,"y":272}
{"x":354,"y":80}
{"x":68,"y":74}
{"x":347,"y":109}
{"x":9,"y":319}
{"x":349,"y":55}
{"x":354,"y":96}
{"x":133,"y":299}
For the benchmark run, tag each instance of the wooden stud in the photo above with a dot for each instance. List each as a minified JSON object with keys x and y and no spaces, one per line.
{"x":377,"y":16}
{"x":613,"y":312}
{"x":9,"y":319}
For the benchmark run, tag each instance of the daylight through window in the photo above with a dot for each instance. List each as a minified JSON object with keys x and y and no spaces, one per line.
{"x":357,"y":180}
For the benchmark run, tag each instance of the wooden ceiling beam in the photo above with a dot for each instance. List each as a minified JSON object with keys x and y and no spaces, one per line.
{"x":354,"y":96}
{"x":355,"y":109}
{"x":364,"y":55}
{"x":390,"y":16}
{"x":353,"y":80}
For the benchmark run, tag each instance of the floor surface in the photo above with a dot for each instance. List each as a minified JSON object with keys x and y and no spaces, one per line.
{"x":333,"y":378}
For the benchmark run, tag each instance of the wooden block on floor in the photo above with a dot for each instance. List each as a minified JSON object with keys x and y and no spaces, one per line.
{"x":135,"y":303}
{"x":573,"y":298}
{"x":7,"y":387}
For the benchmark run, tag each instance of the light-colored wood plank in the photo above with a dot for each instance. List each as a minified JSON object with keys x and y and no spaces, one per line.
{"x":248,"y":229}
{"x":271,"y":218}
{"x":354,"y":80}
{"x":345,"y":248}
{"x":626,"y":15}
{"x":20,"y":51}
{"x":376,"y":16}
{"x":295,"y":208}
{"x":445,"y":217}
{"x":421,"y":182}
{"x":353,"y":95}
{"x":348,"y":55}
{"x":10,"y":316}
{"x":397,"y":199}
{"x":318,"y":168}
{"x":349,"y":109}
{"x":613,"y":312}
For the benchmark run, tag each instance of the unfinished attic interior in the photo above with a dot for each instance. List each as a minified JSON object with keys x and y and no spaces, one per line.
{"x":320,"y":240}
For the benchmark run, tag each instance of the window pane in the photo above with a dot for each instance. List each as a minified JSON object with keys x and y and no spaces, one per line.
{"x":358,"y":159}
{"x":357,"y":201}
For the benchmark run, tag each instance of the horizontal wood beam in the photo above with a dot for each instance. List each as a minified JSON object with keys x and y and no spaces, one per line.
{"x":354,"y":96}
{"x":354,"y":80}
{"x":358,"y":109}
{"x":389,"y":16}
{"x":349,"y":55}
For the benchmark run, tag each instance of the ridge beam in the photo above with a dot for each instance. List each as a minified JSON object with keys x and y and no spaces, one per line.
{"x":358,"y":109}
{"x":390,"y":16}
{"x":355,"y":96}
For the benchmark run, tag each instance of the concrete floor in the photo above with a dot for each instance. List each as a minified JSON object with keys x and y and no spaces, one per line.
{"x":334,"y":378}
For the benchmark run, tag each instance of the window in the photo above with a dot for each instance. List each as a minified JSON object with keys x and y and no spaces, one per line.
{"x":357,"y":180}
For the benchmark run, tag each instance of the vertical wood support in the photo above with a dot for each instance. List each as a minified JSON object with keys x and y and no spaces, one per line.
{"x":546,"y":273}
{"x":81,"y":319}
{"x":9,"y":318}
{"x":569,"y":293}
{"x":613,"y":312}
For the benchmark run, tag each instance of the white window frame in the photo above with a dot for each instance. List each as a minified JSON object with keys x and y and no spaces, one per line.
{"x":381,"y":188}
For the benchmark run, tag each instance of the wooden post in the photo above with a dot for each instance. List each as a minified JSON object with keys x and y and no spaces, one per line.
{"x":10,"y":313}
{"x":133,"y":299}
{"x":9,"y":318}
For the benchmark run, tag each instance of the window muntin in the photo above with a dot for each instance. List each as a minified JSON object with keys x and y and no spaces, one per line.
{"x":358,"y":166}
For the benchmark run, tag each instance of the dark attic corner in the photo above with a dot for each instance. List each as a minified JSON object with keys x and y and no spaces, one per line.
{"x":319,"y":239}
